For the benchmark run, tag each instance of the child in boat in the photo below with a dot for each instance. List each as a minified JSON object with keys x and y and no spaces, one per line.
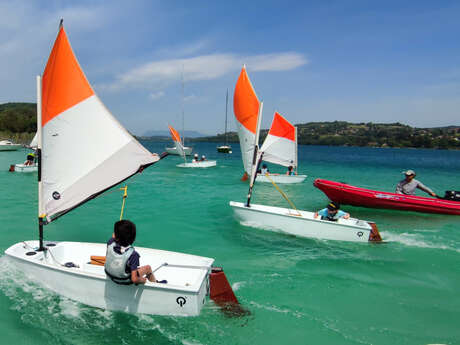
{"x":30,"y":159}
{"x":332,"y":212}
{"x":122,"y":260}
{"x":290,"y":171}
{"x":195,"y":158}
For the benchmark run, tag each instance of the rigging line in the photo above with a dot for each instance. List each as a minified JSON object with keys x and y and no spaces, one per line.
{"x":125,"y":195}
{"x":282,"y":193}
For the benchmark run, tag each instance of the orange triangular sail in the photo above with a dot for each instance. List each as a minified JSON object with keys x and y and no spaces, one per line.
{"x":282,"y":128}
{"x":174,"y":134}
{"x":245,"y":102}
{"x":58,"y":94}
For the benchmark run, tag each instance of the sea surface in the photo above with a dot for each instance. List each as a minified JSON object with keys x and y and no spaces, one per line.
{"x":297,"y":291}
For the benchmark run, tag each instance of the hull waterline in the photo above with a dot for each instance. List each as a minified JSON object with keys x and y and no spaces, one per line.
{"x":204,"y":164}
{"x":284,"y":179}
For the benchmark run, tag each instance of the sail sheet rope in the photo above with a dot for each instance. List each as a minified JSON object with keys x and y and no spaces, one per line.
{"x":283,"y":194}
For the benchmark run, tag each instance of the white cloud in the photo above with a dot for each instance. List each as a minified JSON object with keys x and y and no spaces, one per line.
{"x":156,"y":95}
{"x":204,"y":67}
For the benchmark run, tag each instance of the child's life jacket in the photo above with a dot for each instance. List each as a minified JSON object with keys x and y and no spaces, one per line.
{"x":115,"y":264}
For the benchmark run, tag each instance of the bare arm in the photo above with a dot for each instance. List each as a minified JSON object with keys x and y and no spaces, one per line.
{"x":421,"y":186}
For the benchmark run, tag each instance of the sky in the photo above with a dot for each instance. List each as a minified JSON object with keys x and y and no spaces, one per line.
{"x":357,"y":61}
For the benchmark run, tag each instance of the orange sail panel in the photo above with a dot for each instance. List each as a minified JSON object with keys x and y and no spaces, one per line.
{"x":282,"y":128}
{"x":245,"y":102}
{"x":174,"y":134}
{"x":63,"y":84}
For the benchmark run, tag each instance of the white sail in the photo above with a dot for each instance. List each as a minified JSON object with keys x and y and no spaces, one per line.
{"x":280,"y":145}
{"x":76,"y":170}
{"x":247,"y":109}
{"x":34,"y":142}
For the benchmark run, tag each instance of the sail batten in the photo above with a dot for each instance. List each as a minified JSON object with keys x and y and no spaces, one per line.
{"x":85,"y":149}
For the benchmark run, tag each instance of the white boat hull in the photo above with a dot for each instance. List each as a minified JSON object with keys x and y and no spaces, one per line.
{"x":25,"y":168}
{"x":301,"y":223}
{"x":183,"y":295}
{"x":281,"y":178}
{"x":204,"y":164}
{"x":224,"y":149}
{"x":173,"y":151}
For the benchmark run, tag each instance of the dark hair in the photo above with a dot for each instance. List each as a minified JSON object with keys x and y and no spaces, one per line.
{"x":264,"y":165}
{"x":290,"y":167}
{"x":125,"y":232}
{"x":333,"y":206}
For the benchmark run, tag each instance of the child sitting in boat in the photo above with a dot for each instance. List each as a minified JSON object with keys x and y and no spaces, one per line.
{"x":30,"y":159}
{"x":122,"y":260}
{"x":332,"y":212}
{"x":290,"y":171}
{"x":195,"y":158}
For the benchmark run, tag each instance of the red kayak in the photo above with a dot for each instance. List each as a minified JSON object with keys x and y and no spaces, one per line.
{"x":351,"y":195}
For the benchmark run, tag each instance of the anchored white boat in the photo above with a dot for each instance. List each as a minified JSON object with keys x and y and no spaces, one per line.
{"x":278,"y":149}
{"x":193,"y":164}
{"x":304,"y":223}
{"x":7,"y":145}
{"x":225,"y":148}
{"x":68,"y":111}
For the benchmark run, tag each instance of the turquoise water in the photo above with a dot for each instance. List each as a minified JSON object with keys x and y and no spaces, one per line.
{"x":298,"y":291}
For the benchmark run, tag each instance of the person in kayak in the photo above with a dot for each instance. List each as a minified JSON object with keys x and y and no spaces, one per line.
{"x":410,"y":184}
{"x":332,"y":212}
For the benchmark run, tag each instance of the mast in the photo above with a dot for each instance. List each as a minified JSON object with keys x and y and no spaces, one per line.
{"x":255,"y":161}
{"x":182,"y":103}
{"x":41,"y":213}
{"x":296,"y":158}
{"x":226,"y":109}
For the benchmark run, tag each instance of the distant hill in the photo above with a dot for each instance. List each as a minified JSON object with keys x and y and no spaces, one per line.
{"x":341,"y":133}
{"x":18,"y":121}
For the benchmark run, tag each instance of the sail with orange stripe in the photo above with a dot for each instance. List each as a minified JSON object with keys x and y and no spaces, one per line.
{"x":280,"y":145}
{"x":248,"y":114}
{"x":85,"y":150}
{"x":177,"y":141}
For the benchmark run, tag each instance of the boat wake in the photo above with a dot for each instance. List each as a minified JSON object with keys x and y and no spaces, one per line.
{"x":415,"y":240}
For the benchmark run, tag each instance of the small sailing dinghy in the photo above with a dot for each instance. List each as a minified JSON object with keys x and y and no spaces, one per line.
{"x":285,"y":220}
{"x":280,"y":146}
{"x":69,"y":111}
{"x":186,"y":150}
{"x":26,"y":167}
{"x":226,"y":148}
{"x":193,"y":164}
